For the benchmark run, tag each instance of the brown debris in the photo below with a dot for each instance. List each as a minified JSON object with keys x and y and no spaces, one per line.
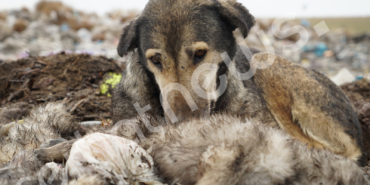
{"x":76,"y":25}
{"x":3,"y":16}
{"x":359,"y":90}
{"x":74,"y":78}
{"x":48,"y":6}
{"x":99,"y":36}
{"x":20,"y":25}
{"x":25,"y":9}
{"x":359,"y":94}
{"x":14,"y":112}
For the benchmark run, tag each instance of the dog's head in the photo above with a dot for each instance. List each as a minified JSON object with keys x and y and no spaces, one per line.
{"x":175,"y":37}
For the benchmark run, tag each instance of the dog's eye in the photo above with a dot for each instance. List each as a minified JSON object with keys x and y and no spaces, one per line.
{"x":156,"y":60}
{"x":199,"y":55}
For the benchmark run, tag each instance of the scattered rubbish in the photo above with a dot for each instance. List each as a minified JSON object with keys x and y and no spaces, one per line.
{"x":89,"y":123}
{"x":343,"y":76}
{"x":327,"y":52}
{"x":54,"y":27}
{"x":305,"y":23}
{"x":320,"y":49}
{"x":367,"y":76}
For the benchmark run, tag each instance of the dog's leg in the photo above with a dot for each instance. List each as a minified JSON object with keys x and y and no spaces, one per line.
{"x":310,"y":107}
{"x":54,"y":153}
{"x":280,"y":103}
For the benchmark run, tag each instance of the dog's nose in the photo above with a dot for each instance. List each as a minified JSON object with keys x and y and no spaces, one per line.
{"x":183,"y":111}
{"x":179,"y":105}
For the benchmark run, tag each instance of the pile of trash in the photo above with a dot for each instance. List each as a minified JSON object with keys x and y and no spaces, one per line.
{"x":77,"y":79}
{"x":336,"y":53}
{"x":54,"y":27}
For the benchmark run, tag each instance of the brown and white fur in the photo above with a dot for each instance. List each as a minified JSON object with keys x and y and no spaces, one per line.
{"x":226,"y":150}
{"x":21,"y":141}
{"x":215,"y":150}
{"x":44,"y":123}
{"x":170,"y":39}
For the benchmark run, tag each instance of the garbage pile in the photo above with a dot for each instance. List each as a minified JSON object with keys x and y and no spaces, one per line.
{"x":54,"y":27}
{"x":328,"y":51}
{"x":74,"y":78}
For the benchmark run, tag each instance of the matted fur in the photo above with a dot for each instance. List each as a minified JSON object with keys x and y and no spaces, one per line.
{"x":225,"y":150}
{"x":42,"y":124}
{"x":215,"y":150}
{"x":13,"y":112}
{"x":89,"y":180}
{"x":24,"y":168}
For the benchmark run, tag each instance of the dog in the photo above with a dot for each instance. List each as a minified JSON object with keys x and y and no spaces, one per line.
{"x":172,"y":40}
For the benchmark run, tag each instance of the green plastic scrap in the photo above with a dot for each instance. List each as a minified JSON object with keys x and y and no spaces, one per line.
{"x":111,"y":81}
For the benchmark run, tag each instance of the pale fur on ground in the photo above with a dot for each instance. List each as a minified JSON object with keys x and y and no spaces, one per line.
{"x":88,"y":180}
{"x":225,"y":150}
{"x":19,"y":139}
{"x":42,"y":124}
{"x":215,"y":150}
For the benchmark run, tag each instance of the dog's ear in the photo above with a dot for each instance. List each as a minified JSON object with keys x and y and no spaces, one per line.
{"x":236,"y":15}
{"x":128,"y":40}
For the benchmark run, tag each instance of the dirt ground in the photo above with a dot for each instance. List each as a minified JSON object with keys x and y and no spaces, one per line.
{"x":72,"y":78}
{"x":76,"y":79}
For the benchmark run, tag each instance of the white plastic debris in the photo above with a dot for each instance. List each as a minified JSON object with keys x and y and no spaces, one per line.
{"x":115,"y":158}
{"x":343,"y":76}
{"x":84,"y":34}
{"x":367,"y":76}
{"x":90,"y":123}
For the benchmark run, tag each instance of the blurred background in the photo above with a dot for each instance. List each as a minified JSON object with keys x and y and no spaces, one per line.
{"x":266,"y":8}
{"x":341,"y":50}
